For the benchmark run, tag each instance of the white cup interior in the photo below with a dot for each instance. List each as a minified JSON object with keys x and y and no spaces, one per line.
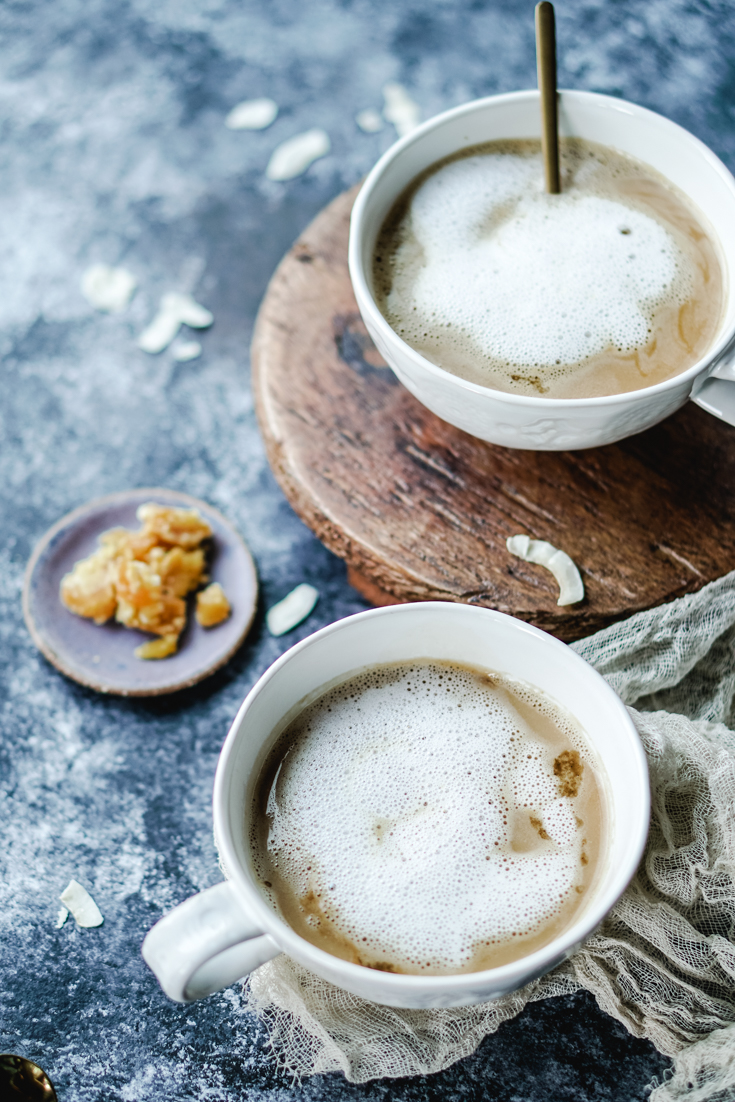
{"x":463,"y":634}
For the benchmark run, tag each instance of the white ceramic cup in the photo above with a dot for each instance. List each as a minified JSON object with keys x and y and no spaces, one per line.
{"x":223,"y":933}
{"x":536,"y":423}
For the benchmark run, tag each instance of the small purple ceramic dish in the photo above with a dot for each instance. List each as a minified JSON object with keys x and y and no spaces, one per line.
{"x":101,"y":657}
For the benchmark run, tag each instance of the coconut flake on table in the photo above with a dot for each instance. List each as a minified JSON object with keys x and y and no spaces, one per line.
{"x":252,"y":114}
{"x":183,"y":351}
{"x":564,"y":569}
{"x":400,"y":109}
{"x":108,"y":289}
{"x":81,"y":905}
{"x":175,"y":310}
{"x":294,"y":608}
{"x":369,"y":121}
{"x":293,"y":157}
{"x":61,"y":917}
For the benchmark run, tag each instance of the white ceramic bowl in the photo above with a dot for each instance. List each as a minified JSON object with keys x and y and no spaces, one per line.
{"x":225,"y":932}
{"x":537,"y":423}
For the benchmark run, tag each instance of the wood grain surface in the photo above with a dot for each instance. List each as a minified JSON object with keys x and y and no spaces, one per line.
{"x":421,"y":511}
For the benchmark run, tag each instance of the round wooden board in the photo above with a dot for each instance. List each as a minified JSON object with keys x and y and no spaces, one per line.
{"x":421,"y":511}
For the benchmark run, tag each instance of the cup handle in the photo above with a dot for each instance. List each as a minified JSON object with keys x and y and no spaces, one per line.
{"x":715,"y":392}
{"x":205,"y":944}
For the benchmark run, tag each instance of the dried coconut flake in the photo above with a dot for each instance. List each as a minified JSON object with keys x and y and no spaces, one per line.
{"x":183,"y":351}
{"x":84,"y":909}
{"x":571,"y":587}
{"x":369,"y":121}
{"x":400,"y":109}
{"x":253,"y":114}
{"x":292,"y":609}
{"x":174,"y":311}
{"x":108,"y":289}
{"x":293,"y":157}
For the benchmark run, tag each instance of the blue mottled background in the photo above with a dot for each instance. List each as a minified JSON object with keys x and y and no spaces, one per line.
{"x":114,"y":150}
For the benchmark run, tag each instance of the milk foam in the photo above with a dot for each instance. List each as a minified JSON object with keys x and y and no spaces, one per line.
{"x":400,"y":804}
{"x":531,"y":279}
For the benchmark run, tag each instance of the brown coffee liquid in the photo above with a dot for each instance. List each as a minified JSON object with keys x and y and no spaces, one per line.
{"x":523,"y":350}
{"x":429,"y":818}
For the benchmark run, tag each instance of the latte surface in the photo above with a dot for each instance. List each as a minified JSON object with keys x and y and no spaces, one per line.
{"x":611,"y":286}
{"x":429,"y":818}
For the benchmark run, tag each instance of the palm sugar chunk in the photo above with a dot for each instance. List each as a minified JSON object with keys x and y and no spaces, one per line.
{"x":142,"y":578}
{"x":124,"y":543}
{"x":212,"y":606}
{"x":158,"y":648}
{"x":180,"y":571}
{"x":89,"y":590}
{"x":143,"y":601}
{"x":177,"y":527}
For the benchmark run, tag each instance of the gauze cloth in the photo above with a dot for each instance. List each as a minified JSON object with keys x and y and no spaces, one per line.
{"x":663,"y":961}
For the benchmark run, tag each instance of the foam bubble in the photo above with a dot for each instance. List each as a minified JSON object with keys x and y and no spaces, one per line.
{"x":532,"y":280}
{"x":421,"y":810}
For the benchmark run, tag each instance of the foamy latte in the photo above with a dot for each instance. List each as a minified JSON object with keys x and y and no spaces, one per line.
{"x":429,"y":818}
{"x":612,"y":286}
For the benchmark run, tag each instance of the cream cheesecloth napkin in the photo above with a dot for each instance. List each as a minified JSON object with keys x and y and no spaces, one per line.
{"x":663,"y":961}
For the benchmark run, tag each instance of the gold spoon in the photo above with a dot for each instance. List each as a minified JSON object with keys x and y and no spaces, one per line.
{"x":23,"y":1081}
{"x":546,"y":68}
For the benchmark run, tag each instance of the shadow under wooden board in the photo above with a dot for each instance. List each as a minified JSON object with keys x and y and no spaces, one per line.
{"x":421,"y":511}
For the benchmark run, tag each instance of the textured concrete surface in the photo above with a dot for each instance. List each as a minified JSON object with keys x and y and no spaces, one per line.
{"x":114,"y":149}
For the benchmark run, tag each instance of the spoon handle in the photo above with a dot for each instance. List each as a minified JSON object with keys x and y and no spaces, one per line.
{"x":546,"y":68}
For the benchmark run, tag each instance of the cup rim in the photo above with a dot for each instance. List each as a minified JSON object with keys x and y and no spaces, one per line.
{"x":367,"y":302}
{"x":511,"y":975}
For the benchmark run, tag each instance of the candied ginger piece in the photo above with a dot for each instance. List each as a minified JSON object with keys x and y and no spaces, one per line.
{"x":212,"y":606}
{"x":158,"y":648}
{"x":181,"y":527}
{"x":89,"y":589}
{"x":143,"y":603}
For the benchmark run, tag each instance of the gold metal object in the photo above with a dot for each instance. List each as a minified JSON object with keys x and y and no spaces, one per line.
{"x":546,"y":68}
{"x":23,"y":1081}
